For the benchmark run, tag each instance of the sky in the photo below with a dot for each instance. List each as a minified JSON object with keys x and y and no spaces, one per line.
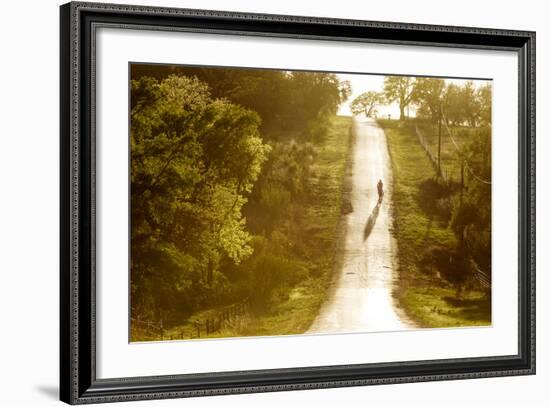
{"x":361,"y":83}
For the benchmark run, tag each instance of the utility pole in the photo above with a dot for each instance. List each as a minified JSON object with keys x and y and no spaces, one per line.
{"x":461,"y":195}
{"x":439,"y":143}
{"x":461,"y":181}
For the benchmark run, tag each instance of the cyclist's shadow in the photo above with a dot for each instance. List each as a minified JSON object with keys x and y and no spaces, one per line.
{"x":372,"y":219}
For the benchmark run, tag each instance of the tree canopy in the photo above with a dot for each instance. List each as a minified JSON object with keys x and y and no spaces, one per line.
{"x":366,"y":103}
{"x":399,"y":89}
{"x":467,"y":104}
{"x":428,"y":95}
{"x":194,"y":159}
{"x":295,"y":103}
{"x":219,"y":157}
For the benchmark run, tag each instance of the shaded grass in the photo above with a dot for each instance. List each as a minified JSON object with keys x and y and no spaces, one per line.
{"x":438,"y":307}
{"x":418,"y":225}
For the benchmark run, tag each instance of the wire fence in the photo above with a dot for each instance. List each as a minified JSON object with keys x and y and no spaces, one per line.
{"x":148,"y":329}
{"x":464,"y":160}
{"x":482,"y":277}
{"x":231,"y":317}
{"x":439,"y":169}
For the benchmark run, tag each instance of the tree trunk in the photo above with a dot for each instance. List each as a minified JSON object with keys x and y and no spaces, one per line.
{"x":401,"y":112}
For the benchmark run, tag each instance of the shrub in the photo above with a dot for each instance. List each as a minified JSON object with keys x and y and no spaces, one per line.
{"x":274,"y":200}
{"x":449,"y":263}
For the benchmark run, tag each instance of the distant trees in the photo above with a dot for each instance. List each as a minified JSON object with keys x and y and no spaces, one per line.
{"x":366,"y":103}
{"x":429,"y":95}
{"x":294,"y":103}
{"x":399,"y":89}
{"x":463,"y":104}
{"x":312,"y":98}
{"x":484,"y":96}
{"x":345,"y":90}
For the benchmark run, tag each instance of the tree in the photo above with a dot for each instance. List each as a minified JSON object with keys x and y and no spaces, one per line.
{"x":484,"y":96}
{"x":366,"y":103}
{"x":221,"y":158}
{"x":292,"y":104}
{"x":399,"y":89}
{"x":193,"y":162}
{"x":312,"y":100}
{"x":470,"y":103}
{"x":345,"y":90}
{"x":428,"y":95}
{"x":452,"y":108}
{"x":465,"y":104}
{"x":471,"y":220}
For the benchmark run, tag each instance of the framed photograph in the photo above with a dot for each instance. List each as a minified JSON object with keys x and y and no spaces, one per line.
{"x":255,"y":203}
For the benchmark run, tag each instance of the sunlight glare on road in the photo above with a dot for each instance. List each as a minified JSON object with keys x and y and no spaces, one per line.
{"x":361,"y":299}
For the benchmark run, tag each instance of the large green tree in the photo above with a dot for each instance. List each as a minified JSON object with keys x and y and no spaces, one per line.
{"x":194,"y":160}
{"x":211,"y":147}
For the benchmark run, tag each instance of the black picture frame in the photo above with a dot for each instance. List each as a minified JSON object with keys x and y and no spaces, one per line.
{"x":78,"y":382}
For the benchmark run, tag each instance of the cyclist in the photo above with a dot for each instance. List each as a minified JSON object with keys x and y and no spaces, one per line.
{"x":380,"y":187}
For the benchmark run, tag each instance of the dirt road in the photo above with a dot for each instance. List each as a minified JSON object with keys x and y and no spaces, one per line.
{"x":361,"y":297}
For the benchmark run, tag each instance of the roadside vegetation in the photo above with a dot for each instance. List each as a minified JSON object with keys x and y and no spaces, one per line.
{"x":442,"y":203}
{"x":292,"y":275}
{"x":235,"y":198}
{"x":429,"y":291}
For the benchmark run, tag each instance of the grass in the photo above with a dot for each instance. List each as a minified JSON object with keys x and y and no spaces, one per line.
{"x":450,"y":158}
{"x":294,"y":315}
{"x":297,"y":307}
{"x":300,"y":306}
{"x":438,"y":307}
{"x":426,"y":297}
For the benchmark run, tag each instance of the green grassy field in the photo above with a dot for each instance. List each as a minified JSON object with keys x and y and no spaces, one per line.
{"x":418,"y":226}
{"x":315,"y":249}
{"x":450,"y":160}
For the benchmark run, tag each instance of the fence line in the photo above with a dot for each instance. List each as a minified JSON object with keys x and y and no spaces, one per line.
{"x":481,"y":276}
{"x":153,"y":329}
{"x":227,"y":317}
{"x":466,"y":163}
{"x":433,"y":159}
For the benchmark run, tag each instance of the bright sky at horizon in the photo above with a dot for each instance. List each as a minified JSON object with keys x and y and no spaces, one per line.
{"x":361,"y":83}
